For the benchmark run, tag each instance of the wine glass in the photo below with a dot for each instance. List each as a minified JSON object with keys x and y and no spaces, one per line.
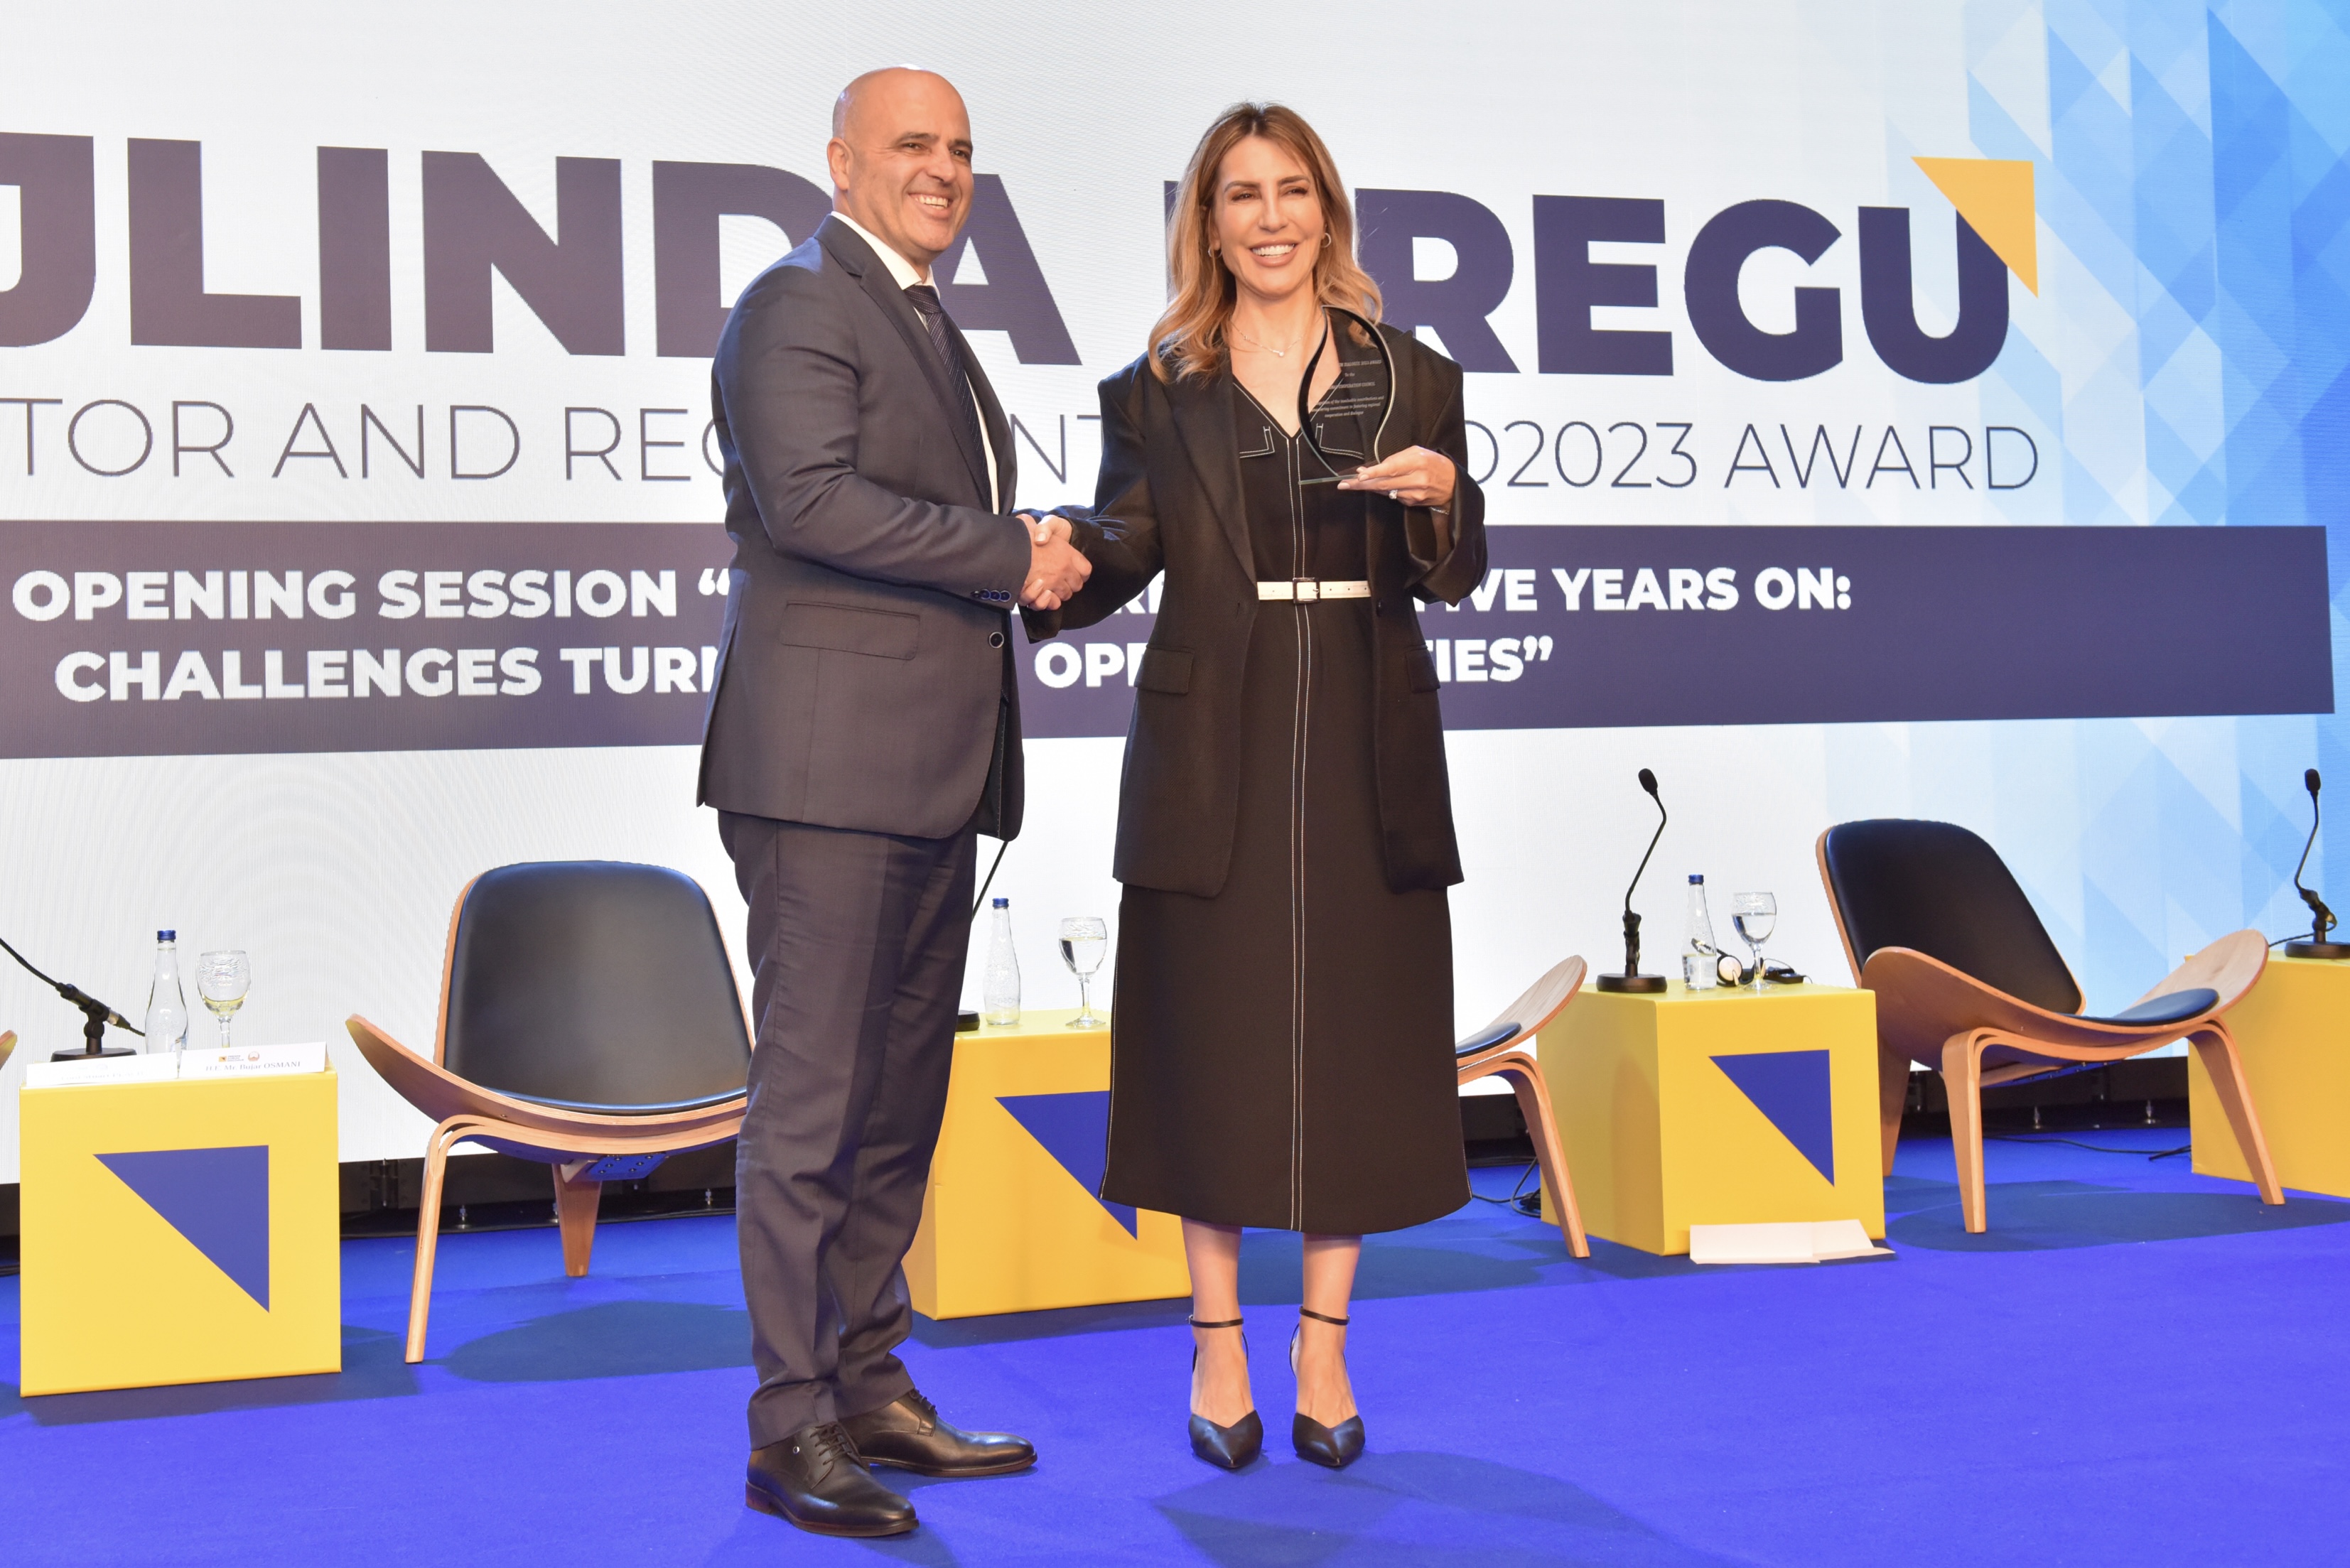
{"x":221,"y":980}
{"x":1085,"y":939}
{"x":1754,"y":913}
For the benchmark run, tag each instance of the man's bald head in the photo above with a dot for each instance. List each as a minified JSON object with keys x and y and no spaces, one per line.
{"x":900,"y":158}
{"x":880,"y":82}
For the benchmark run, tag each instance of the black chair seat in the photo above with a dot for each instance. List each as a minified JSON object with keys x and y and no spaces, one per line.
{"x":1487,"y":1041}
{"x":672,"y":1108}
{"x":2167,"y":1009}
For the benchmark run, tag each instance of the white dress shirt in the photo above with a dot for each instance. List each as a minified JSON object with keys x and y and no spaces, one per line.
{"x":908,"y":276}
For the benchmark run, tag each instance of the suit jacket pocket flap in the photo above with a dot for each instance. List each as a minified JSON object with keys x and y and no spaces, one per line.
{"x":1420,"y":668}
{"x":1166,"y":669}
{"x":884,"y":634}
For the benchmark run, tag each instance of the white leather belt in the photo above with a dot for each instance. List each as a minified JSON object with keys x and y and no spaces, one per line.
{"x":1306,"y":590}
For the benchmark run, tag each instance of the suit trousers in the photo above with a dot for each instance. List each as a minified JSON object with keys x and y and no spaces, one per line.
{"x":858,"y":942}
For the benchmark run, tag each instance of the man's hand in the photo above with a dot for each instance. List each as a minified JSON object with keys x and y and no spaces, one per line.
{"x":1056,"y":570}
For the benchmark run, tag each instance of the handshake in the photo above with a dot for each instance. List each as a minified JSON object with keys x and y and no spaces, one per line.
{"x":1056,"y":570}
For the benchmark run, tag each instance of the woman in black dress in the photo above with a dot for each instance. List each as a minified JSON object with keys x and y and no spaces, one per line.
{"x":1282,"y":1039}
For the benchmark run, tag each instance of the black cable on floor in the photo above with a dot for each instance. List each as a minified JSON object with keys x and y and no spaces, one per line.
{"x":2092,"y":1148}
{"x":1514,"y":1198}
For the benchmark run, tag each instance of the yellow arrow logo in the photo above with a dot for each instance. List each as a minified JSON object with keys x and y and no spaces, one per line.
{"x":1994,"y":196}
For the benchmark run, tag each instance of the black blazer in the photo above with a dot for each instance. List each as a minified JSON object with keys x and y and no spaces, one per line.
{"x":864,"y":679}
{"x":1169,"y":498}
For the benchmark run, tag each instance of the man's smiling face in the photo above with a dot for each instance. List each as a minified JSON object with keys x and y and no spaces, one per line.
{"x":900,"y":160}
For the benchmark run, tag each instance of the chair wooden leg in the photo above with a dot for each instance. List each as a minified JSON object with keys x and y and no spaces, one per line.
{"x":428,"y":1231}
{"x":575,"y":1212}
{"x":1892,"y":1096}
{"x":2224,"y":1066}
{"x":1962,"y":1086}
{"x":1533,"y":1104}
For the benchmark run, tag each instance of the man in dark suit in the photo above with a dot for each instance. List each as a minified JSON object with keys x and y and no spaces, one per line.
{"x":865,"y":724}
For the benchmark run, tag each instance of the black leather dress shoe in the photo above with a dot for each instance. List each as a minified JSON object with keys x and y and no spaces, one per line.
{"x":906,"y":1434}
{"x":816,"y":1478}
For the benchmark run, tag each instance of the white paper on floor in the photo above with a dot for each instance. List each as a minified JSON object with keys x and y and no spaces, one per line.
{"x":1814,"y":1241}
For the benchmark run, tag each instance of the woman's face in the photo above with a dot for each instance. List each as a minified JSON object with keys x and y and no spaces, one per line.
{"x":1266,"y":219}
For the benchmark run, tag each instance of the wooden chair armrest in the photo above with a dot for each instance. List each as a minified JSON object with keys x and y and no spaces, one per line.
{"x":2230,"y":966}
{"x":1541,"y":1001}
{"x":441,"y":1094}
{"x":1921,"y":1002}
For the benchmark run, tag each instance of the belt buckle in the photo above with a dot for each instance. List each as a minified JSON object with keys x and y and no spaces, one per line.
{"x":1306,"y":590}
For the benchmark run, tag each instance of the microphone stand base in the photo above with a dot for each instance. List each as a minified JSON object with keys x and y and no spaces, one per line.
{"x":1639,"y":984}
{"x":2317,"y":949}
{"x":78,"y":1055}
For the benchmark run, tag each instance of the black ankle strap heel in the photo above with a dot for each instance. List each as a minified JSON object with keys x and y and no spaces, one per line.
{"x":1333,"y":1447}
{"x":1227,"y":1447}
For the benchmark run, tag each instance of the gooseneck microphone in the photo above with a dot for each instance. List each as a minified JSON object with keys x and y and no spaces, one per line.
{"x":95,"y":1016}
{"x":1632,"y":980}
{"x":2322,"y":919}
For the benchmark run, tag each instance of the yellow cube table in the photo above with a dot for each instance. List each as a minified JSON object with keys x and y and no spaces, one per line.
{"x":2293,"y":1030}
{"x":179,"y":1232}
{"x":1716,"y":1108}
{"x":1010,"y":1222}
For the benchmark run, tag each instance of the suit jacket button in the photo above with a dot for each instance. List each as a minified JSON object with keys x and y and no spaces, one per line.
{"x":995,"y":640}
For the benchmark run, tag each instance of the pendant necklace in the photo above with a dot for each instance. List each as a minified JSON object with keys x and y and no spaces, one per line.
{"x":1261,"y":343}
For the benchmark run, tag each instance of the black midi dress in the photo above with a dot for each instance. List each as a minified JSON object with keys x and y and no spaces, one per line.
{"x":1281,"y":1051}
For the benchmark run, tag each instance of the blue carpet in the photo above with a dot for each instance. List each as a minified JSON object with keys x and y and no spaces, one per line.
{"x":2137,"y":1366}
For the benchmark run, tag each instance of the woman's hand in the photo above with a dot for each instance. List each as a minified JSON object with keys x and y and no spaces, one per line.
{"x":1415,"y":476}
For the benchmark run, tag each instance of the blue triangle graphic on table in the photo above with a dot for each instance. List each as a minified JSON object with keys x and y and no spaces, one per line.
{"x":1791,"y":1088}
{"x":1074,"y":1130}
{"x":216,"y":1198}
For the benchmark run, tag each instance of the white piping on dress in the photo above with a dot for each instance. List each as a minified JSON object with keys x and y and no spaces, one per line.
{"x":1301,"y":729}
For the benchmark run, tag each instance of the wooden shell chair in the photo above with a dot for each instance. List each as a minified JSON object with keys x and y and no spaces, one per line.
{"x":589,"y":1020}
{"x":1504,"y":1048}
{"x":1968,"y":984}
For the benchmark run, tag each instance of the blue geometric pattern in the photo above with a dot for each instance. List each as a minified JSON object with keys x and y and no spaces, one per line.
{"x":216,"y":1198}
{"x":2190,"y":348}
{"x":1074,"y":1128}
{"x":1791,"y":1089}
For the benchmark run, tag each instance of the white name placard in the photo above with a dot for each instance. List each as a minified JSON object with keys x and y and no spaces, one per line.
{"x":254,"y":1060}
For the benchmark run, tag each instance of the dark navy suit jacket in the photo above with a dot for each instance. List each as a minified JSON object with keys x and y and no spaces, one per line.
{"x":865,"y":675}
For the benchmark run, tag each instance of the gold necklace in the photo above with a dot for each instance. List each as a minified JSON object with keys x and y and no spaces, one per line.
{"x":1261,"y":343}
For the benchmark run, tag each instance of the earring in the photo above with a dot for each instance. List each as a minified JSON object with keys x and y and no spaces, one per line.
{"x":1325,"y":239}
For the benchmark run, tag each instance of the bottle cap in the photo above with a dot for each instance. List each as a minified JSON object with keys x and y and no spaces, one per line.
{"x":1696,"y":880}
{"x":167,"y":936}
{"x":1003,"y":903}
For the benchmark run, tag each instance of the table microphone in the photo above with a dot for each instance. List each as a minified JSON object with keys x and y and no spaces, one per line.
{"x":1632,"y":980}
{"x":95,"y":1016}
{"x":2321,"y":917}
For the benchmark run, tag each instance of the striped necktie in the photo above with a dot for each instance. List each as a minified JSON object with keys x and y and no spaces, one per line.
{"x":934,"y":317}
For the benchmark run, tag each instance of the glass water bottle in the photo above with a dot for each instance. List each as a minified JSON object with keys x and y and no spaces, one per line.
{"x":1699,"y":954}
{"x":1000,"y":987}
{"x":167,"y":1005}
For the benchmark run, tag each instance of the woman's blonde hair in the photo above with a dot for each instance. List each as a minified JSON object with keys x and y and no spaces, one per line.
{"x":1190,"y":338}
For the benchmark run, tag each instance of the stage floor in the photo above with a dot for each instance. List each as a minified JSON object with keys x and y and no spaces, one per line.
{"x":2137,"y":1366}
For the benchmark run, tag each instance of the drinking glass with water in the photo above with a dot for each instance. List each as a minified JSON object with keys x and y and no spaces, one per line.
{"x":221,"y":980}
{"x":1085,"y":939}
{"x":1754,"y":915}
